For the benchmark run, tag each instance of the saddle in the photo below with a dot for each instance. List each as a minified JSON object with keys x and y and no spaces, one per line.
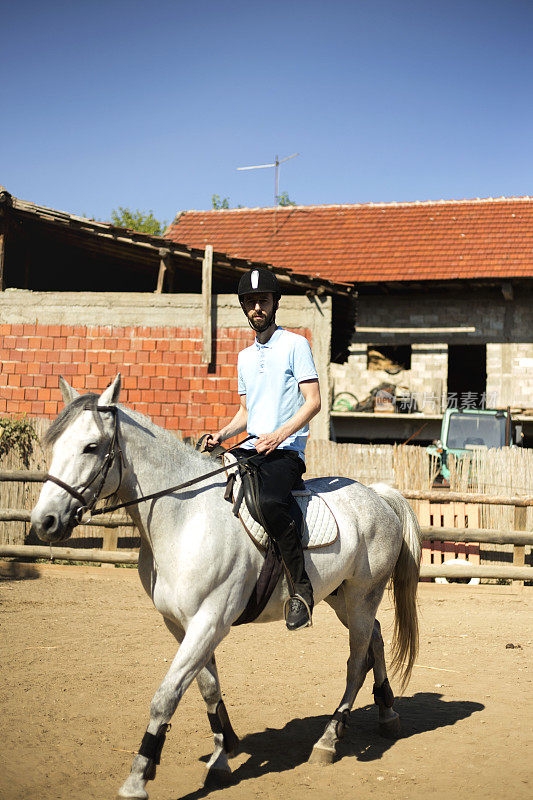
{"x":319,"y":528}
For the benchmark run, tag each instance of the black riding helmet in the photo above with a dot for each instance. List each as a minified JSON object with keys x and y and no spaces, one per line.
{"x":257,"y":281}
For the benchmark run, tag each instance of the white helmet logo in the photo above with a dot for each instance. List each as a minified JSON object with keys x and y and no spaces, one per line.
{"x":254,"y":278}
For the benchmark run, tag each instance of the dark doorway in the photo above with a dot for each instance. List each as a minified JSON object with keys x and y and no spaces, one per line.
{"x":467,"y":375}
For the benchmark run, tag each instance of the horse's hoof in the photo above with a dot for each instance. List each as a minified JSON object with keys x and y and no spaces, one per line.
{"x":141,"y":795}
{"x":391,"y":728}
{"x":217,"y":778}
{"x":131,"y":792}
{"x":132,"y":797}
{"x":321,"y":755}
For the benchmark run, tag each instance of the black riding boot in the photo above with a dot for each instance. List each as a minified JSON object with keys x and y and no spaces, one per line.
{"x":300,"y":603}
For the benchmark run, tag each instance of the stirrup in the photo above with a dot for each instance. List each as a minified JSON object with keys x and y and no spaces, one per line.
{"x":306,"y":604}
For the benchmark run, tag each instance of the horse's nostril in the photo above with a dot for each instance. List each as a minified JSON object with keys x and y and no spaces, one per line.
{"x":49,"y":522}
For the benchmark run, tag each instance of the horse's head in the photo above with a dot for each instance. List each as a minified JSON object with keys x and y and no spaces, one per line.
{"x":86,"y":461}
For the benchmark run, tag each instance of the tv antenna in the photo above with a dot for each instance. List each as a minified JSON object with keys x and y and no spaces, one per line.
{"x":277,"y":162}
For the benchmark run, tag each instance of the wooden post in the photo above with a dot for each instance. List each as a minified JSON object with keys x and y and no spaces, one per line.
{"x":109,"y":543}
{"x":2,"y":260}
{"x":163,"y":267}
{"x":207,"y":285}
{"x":519,"y":550}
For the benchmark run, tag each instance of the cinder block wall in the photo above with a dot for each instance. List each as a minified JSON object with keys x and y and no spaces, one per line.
{"x":505,"y":326}
{"x":88,"y":338}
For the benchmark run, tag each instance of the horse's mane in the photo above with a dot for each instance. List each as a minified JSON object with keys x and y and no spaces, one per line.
{"x":89,"y":402}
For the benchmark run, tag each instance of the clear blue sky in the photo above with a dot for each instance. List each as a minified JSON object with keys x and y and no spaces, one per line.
{"x":153,"y":105}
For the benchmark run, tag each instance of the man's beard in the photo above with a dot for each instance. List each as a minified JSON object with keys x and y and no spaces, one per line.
{"x":260,"y":324}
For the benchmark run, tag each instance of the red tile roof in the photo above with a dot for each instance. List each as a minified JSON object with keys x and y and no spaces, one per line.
{"x":448,"y":239}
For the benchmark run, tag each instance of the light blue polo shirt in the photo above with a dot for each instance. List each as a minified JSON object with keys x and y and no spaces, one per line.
{"x":269,"y":375}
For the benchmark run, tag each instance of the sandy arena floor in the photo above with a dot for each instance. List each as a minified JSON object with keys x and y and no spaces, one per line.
{"x":83,"y":650}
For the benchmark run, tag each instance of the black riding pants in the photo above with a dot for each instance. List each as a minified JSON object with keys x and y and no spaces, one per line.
{"x":279,"y":473}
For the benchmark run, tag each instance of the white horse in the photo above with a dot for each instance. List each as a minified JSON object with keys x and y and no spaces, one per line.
{"x":199,"y":566}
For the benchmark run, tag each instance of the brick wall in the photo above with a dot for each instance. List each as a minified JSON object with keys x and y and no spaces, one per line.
{"x":154,"y":340}
{"x":162,"y":373}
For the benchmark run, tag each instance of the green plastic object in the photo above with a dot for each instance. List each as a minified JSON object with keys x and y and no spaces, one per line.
{"x":342,"y":402}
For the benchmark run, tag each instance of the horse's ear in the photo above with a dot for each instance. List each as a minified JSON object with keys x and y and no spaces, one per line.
{"x":68,"y":393}
{"x":110,"y":395}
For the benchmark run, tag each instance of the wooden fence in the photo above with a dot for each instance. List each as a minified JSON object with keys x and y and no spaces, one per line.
{"x":439,"y":517}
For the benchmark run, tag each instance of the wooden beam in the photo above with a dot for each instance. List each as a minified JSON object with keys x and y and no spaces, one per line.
{"x":104,"y":521}
{"x":476,"y":571}
{"x":2,"y":260}
{"x":166,"y":270}
{"x":161,"y":276}
{"x":69,"y":554}
{"x":366,"y":329}
{"x":22,"y":475}
{"x":436,"y":496}
{"x":519,"y":551}
{"x":483,"y":535}
{"x":207,"y":288}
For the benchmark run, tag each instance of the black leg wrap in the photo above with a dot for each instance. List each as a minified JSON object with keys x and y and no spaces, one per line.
{"x":220,"y":723}
{"x":342,"y":718}
{"x":151,"y":747}
{"x":383,"y":695}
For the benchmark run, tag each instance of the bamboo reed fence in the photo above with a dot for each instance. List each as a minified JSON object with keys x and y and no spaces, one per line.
{"x":404,"y":466}
{"x":507,"y":470}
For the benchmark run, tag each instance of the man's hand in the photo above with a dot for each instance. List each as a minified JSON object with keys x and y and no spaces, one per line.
{"x":269,"y":441}
{"x":212,"y":440}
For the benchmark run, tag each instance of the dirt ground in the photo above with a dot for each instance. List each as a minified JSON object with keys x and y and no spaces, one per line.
{"x":83,"y":650}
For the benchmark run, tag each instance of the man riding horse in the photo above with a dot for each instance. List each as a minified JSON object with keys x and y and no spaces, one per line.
{"x":279,"y":395}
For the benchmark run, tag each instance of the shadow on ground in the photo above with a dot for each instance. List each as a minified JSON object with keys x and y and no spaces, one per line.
{"x":280,"y":749}
{"x":18,"y":571}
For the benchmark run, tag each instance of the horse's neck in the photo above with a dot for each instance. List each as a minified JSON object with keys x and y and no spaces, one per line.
{"x":154,"y":459}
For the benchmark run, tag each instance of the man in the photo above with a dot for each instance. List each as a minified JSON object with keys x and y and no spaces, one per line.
{"x":278,"y":386}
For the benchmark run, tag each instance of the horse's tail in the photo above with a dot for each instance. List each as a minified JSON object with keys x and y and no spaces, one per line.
{"x":405,"y":584}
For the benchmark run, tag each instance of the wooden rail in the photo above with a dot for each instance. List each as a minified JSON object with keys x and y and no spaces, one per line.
{"x":104,"y":521}
{"x":69,"y":553}
{"x":476,"y":571}
{"x":519,"y":537}
{"x":483,"y":535}
{"x":132,"y":557}
{"x":435,"y":496}
{"x":22,"y":475}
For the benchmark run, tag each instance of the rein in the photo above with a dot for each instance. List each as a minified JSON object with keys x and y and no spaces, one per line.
{"x":103,"y":471}
{"x":185,"y":485}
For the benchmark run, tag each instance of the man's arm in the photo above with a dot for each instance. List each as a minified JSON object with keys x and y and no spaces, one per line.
{"x":312,"y":405}
{"x":233,"y":428}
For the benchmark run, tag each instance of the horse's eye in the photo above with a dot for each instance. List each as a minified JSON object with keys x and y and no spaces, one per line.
{"x":90,"y":448}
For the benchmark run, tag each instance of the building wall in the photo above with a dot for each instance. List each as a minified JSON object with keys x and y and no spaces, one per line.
{"x":154,"y":341}
{"x":505,"y":326}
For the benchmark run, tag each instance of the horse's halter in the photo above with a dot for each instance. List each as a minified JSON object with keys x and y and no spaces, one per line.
{"x":102,"y":472}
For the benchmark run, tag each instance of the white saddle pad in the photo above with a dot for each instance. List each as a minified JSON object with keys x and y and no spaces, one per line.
{"x":320,"y":526}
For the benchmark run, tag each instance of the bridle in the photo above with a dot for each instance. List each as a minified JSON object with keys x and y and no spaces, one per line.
{"x":101,"y":473}
{"x":105,"y":466}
